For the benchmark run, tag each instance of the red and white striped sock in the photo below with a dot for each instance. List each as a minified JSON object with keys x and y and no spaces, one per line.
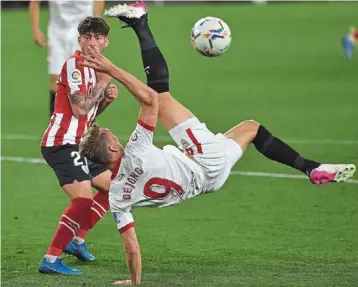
{"x":72,"y":220}
{"x":98,"y":210}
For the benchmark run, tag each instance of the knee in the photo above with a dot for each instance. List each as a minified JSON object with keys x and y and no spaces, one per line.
{"x":250,"y":126}
{"x":78,"y":190}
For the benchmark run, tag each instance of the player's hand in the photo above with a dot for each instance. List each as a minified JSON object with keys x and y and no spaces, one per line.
{"x":123,"y":282}
{"x":97,"y":61}
{"x":111,"y":93}
{"x":39,"y":38}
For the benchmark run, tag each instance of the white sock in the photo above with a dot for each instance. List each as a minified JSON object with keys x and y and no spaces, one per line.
{"x":78,"y":240}
{"x":50,"y":258}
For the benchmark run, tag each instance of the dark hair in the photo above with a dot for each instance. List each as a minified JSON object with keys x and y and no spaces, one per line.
{"x":93,"y":25}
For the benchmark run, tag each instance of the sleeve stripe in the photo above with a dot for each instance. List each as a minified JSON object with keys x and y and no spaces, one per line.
{"x":144,"y":125}
{"x":126,"y":227}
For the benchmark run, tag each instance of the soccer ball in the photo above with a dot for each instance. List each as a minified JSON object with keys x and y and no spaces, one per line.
{"x":211,"y":36}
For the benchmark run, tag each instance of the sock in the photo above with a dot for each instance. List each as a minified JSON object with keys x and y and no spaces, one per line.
{"x":52,"y":102}
{"x":78,"y":240}
{"x":275,"y":149}
{"x":154,"y":64}
{"x":98,"y":210}
{"x":51,"y":258}
{"x":75,"y":216}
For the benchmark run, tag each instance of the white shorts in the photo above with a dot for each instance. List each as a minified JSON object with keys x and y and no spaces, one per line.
{"x":60,"y":48}
{"x":216,"y":154}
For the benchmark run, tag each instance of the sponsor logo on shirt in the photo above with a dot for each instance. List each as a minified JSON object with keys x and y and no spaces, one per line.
{"x":76,"y":77}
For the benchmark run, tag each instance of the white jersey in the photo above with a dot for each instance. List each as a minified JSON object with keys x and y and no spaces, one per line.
{"x":65,"y":15}
{"x":151,"y":177}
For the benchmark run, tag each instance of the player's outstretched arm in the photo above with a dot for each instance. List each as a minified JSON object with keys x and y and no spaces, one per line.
{"x":146,"y":96}
{"x":98,"y":8}
{"x":34,"y":10}
{"x":141,"y":92}
{"x":138,"y":89}
{"x":133,"y":257}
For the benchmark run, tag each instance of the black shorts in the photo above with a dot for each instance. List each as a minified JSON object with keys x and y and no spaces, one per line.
{"x":69,"y":165}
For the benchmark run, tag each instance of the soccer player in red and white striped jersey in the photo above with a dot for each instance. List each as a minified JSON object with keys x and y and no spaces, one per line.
{"x":67,"y":125}
{"x":81,"y":94}
{"x":64,"y":18}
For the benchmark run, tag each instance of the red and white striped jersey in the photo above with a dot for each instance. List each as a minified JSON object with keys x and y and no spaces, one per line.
{"x":64,"y":127}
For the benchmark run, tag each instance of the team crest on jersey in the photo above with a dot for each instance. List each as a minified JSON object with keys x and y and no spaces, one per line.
{"x":76,"y":77}
{"x":134,"y":136}
{"x":186,"y":146}
{"x":185,"y":143}
{"x":85,"y":168}
{"x":120,"y":176}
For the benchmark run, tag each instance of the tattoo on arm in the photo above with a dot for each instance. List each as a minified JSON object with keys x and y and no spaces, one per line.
{"x":102,"y":106}
{"x":87,"y":102}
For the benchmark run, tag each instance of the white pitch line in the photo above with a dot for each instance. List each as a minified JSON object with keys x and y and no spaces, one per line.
{"x":18,"y":137}
{"x":22,"y":159}
{"x":277,"y":175}
{"x":234,"y":172}
{"x":12,"y":137}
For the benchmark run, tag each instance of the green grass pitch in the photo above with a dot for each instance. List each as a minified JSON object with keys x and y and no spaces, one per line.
{"x":285,"y":69}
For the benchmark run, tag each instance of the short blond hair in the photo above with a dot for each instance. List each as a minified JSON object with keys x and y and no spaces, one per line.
{"x":94,"y":145}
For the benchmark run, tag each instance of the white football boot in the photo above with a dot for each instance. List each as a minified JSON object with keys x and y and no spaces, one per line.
{"x":128,"y":14}
{"x":326,"y":173}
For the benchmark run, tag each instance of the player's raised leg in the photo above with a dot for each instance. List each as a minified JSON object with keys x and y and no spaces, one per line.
{"x":275,"y":149}
{"x":171,"y":112}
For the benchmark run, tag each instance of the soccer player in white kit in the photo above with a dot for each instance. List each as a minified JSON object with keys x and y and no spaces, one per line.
{"x":146,"y":176}
{"x":65,"y":15}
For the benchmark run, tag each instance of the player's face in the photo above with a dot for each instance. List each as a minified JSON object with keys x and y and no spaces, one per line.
{"x":94,"y":41}
{"x":113,"y":142}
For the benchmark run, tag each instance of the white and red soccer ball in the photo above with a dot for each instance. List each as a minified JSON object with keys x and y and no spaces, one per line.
{"x":211,"y":36}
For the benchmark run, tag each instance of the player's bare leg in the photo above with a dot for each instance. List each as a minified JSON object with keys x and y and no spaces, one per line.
{"x":78,"y":189}
{"x":250,"y":131}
